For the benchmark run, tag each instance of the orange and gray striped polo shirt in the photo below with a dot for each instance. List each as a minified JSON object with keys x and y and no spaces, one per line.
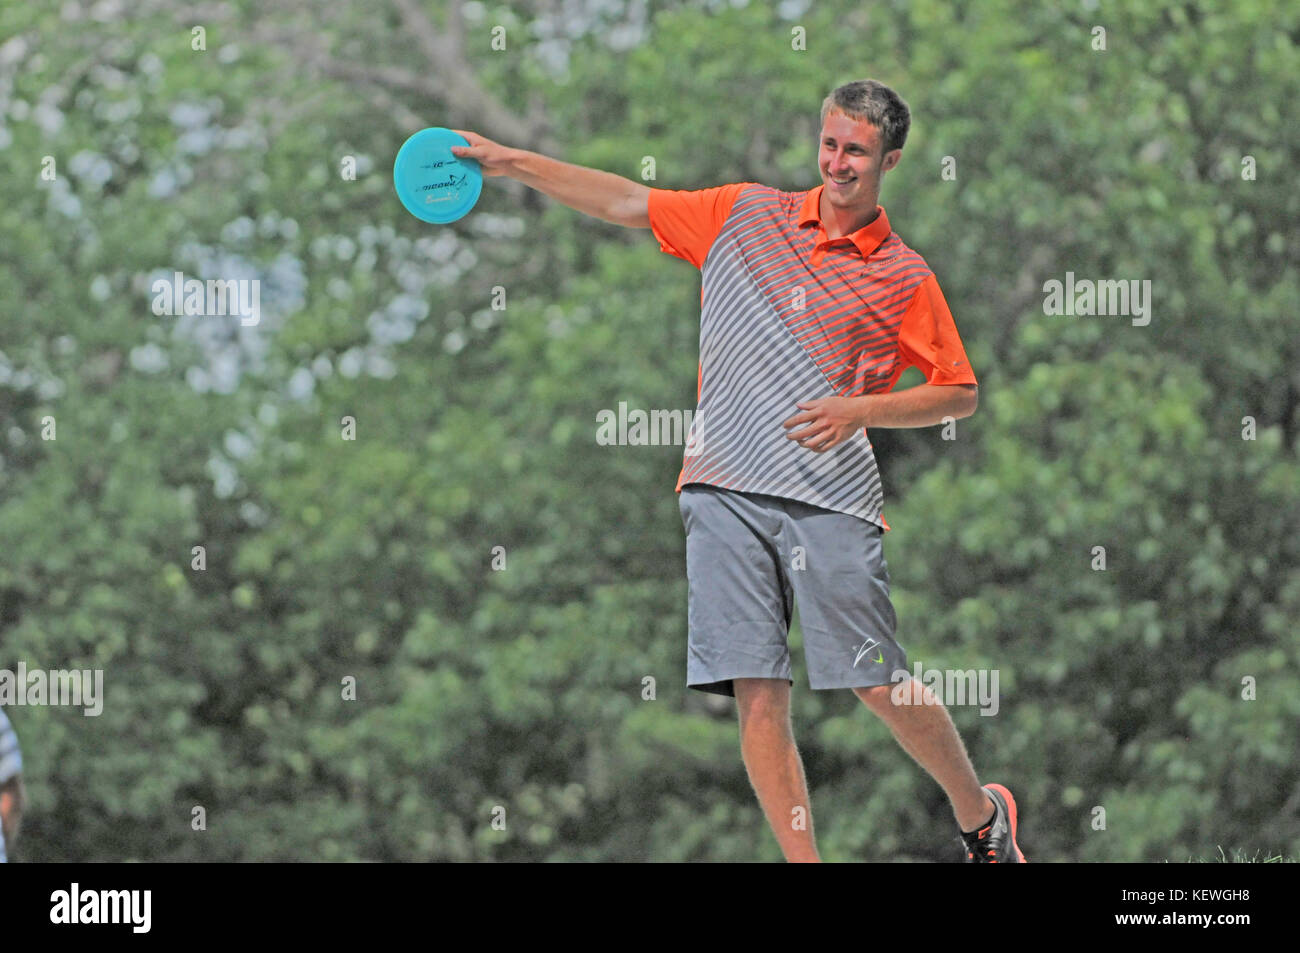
{"x":788,"y":315}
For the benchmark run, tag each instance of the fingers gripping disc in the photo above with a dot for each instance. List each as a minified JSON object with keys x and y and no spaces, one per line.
{"x":434,"y":185}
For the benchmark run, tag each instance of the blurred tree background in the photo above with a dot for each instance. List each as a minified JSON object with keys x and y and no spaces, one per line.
{"x":476,"y":427}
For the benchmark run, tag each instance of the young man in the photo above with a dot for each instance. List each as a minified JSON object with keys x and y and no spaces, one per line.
{"x":811,"y":310}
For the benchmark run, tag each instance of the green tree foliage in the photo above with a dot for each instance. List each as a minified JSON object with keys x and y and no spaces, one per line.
{"x":520,"y":692}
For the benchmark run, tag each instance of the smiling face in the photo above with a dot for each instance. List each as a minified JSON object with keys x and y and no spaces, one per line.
{"x":850,"y":150}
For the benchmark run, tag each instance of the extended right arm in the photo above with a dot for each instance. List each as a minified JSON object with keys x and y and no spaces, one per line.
{"x":13,"y":799}
{"x":602,"y":195}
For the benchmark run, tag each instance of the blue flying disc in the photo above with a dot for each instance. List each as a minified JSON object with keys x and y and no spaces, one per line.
{"x":434,"y":185}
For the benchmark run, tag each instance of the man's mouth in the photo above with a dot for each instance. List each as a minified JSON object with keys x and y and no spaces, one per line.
{"x":845,"y":181}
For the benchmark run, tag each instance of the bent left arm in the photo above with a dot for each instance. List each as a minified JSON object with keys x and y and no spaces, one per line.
{"x":832,"y":420}
{"x":922,"y":406}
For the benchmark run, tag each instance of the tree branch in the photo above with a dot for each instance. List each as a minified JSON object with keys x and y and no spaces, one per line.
{"x":462,"y":91}
{"x":448,"y":79}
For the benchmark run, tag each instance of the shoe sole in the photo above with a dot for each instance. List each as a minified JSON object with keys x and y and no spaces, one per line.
{"x":1011,"y":809}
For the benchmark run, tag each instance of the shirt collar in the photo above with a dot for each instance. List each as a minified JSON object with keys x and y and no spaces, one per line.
{"x":867,"y":238}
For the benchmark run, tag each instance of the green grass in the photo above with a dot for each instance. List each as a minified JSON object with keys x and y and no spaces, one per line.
{"x":1239,"y":857}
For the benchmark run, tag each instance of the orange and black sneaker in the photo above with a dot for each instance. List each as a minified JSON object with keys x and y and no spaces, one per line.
{"x":995,"y":842}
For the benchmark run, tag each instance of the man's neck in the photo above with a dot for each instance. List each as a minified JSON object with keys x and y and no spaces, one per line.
{"x":839,"y":222}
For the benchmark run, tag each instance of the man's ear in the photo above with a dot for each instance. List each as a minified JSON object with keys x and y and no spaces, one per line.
{"x":891,"y":159}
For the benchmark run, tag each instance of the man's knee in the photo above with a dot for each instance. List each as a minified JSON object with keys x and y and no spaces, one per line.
{"x":762,"y":699}
{"x":877,"y":697}
{"x":883,"y":698}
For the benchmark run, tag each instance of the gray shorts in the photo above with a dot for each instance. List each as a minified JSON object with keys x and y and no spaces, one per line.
{"x":749,"y":556}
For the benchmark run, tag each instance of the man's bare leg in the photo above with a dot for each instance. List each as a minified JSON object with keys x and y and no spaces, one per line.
{"x":926,"y":732}
{"x":775,"y":769}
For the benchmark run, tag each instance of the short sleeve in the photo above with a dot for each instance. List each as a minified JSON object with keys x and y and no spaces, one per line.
{"x":687,"y":222}
{"x":928,"y":339}
{"x":11,"y":758}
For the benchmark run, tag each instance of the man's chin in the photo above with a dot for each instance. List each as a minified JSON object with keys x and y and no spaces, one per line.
{"x":845,"y":199}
